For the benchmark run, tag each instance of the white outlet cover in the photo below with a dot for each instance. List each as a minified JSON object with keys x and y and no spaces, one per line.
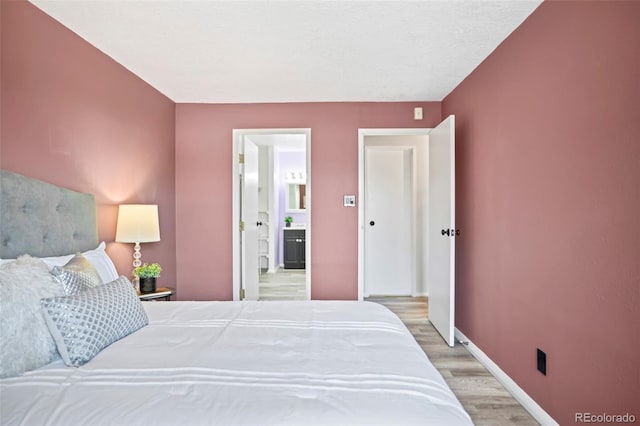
{"x":349,"y":200}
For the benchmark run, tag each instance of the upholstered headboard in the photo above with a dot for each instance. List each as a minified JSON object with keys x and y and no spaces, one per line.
{"x":43,"y":219}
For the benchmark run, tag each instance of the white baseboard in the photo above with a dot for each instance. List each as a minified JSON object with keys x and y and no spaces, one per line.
{"x":512,"y":387}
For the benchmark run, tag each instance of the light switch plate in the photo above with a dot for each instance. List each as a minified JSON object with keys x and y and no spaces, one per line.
{"x":417,"y":113}
{"x":349,"y":200}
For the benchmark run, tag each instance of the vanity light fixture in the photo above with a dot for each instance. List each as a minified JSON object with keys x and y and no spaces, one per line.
{"x":295,"y":177}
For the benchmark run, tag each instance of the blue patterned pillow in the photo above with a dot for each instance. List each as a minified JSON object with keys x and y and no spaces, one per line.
{"x":87,"y":322}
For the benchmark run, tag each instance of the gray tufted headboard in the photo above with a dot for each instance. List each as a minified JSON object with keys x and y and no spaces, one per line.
{"x":43,"y":219}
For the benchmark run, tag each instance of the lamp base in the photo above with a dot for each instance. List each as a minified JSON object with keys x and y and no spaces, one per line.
{"x":137,"y":255}
{"x":136,"y":283}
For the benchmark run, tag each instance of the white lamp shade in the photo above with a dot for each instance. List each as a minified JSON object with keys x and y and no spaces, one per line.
{"x":138,"y":223}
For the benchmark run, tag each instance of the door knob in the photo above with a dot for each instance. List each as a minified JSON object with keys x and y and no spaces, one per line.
{"x":372,"y":223}
{"x":444,"y":232}
{"x":259,"y":223}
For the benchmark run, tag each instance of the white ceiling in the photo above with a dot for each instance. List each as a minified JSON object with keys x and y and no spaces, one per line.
{"x":295,"y":51}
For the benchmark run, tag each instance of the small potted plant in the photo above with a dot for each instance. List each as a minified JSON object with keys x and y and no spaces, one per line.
{"x":287,"y":221}
{"x":147,"y":274}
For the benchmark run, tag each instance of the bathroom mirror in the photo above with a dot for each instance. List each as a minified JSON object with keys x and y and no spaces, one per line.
{"x":296,"y":197}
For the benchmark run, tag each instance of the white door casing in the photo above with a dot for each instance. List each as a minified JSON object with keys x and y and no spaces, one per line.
{"x":442,"y":218}
{"x":416,"y":139}
{"x":388,"y":221}
{"x":237,"y":204}
{"x":250,"y":245}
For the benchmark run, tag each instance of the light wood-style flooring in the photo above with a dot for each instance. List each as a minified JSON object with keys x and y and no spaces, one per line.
{"x":285,"y":284}
{"x":484,"y":398}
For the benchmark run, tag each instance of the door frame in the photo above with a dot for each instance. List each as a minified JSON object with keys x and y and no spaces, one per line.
{"x":237,"y":140}
{"x":362,"y":133}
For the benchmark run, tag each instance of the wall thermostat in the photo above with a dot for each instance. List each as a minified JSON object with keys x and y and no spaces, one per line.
{"x":349,"y":200}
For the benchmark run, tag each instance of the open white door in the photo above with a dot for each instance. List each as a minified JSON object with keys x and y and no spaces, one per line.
{"x":249,"y":209}
{"x":442,"y":228}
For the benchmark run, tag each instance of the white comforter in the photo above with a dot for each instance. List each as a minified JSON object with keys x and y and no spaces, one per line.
{"x":244,"y":363}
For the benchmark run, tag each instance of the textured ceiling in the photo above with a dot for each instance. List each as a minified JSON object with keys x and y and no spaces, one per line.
{"x":295,"y":51}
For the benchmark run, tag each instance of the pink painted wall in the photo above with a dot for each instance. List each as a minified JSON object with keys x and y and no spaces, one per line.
{"x":548,"y":171}
{"x":203,"y":187}
{"x":74,"y":117}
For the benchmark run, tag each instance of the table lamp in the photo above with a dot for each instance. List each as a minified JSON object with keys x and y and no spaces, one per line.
{"x":137,"y":223}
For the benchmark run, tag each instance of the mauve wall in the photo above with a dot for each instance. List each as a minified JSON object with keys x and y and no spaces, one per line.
{"x":203,"y":187}
{"x":548,"y":201}
{"x":73,"y":117}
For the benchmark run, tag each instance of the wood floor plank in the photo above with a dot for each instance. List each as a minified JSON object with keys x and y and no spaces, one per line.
{"x":485,"y":399}
{"x":286,"y":284}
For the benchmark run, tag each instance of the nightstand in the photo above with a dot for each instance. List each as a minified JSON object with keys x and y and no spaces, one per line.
{"x":161,"y":293}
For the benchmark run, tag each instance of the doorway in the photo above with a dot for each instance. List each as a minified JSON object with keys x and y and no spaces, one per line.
{"x":392,"y":223}
{"x":263,"y":187}
{"x":433,"y":224}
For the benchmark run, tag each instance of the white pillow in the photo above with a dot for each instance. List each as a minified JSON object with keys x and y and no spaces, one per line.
{"x":25,"y":341}
{"x":102,"y":262}
{"x":98,"y":257}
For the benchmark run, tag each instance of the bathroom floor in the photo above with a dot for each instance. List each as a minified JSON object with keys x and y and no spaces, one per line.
{"x":285,"y":284}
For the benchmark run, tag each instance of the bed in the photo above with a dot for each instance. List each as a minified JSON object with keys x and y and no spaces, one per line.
{"x":205,"y":363}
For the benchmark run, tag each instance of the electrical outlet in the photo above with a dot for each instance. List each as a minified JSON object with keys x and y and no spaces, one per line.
{"x":542,"y":362}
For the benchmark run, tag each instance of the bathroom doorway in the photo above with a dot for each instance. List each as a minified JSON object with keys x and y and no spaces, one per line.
{"x":271,"y":207}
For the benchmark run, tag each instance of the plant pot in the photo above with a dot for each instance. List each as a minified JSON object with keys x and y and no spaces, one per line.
{"x":147,"y":285}
{"x":287,"y":224}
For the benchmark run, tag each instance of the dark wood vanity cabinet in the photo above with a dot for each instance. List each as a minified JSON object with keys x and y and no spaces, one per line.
{"x":294,"y":248}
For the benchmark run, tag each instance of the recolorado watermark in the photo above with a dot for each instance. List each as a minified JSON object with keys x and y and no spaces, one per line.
{"x":605,"y":418}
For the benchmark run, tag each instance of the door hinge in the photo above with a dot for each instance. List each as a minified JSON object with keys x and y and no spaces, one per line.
{"x":241,"y":158}
{"x":241,"y":225}
{"x":242,"y":294}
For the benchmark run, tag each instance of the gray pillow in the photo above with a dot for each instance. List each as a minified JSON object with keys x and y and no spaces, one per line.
{"x":25,"y":341}
{"x":77,"y":274}
{"x":87,"y":322}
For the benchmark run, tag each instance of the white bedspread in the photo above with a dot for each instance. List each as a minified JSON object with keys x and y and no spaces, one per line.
{"x":244,"y":363}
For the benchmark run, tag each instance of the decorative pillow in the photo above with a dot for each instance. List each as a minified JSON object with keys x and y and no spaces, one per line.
{"x":77,"y":275}
{"x":25,"y":341}
{"x":85,"y":323}
{"x":57,"y":260}
{"x":98,"y":258}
